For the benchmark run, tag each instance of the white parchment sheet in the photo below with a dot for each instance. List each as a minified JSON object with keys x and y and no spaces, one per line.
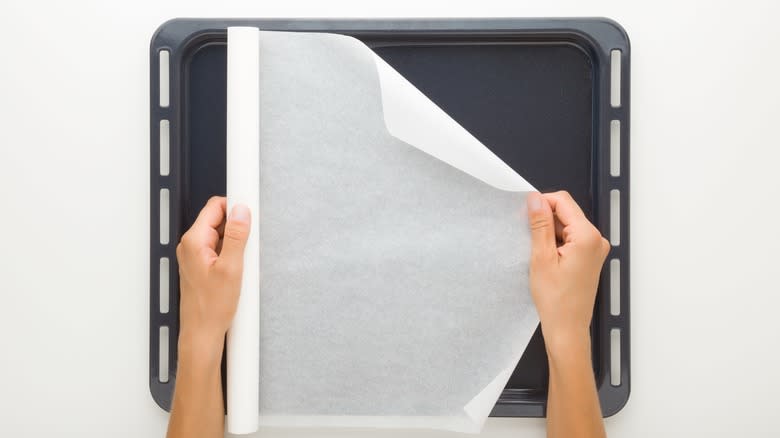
{"x":393,"y":246}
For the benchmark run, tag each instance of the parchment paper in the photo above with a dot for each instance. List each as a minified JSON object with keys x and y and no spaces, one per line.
{"x":393,"y":248}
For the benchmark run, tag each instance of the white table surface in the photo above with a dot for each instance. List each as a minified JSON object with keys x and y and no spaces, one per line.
{"x":705,"y":238}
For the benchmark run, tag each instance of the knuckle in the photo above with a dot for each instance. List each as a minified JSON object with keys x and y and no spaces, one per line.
{"x":598,"y":239}
{"x":565,"y":195}
{"x":593,"y":238}
{"x":186,"y":241}
{"x":605,"y":246}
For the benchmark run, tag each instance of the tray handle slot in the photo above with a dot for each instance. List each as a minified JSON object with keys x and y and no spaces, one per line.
{"x":165,"y":206}
{"x":164,"y":78}
{"x":165,"y":147}
{"x":614,"y":287}
{"x":614,"y":357}
{"x":614,"y":92}
{"x":614,"y":147}
{"x":614,"y":217}
{"x":163,"y":354}
{"x":165,"y":268}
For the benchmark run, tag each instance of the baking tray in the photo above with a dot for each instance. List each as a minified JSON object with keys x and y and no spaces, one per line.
{"x":548,"y":96}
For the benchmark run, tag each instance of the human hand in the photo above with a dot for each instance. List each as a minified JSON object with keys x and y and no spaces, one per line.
{"x":567,"y":255}
{"x":211,"y":259}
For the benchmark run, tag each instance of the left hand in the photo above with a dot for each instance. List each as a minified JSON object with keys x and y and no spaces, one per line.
{"x":211,"y":260}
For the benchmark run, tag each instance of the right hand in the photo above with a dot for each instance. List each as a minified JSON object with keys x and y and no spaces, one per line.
{"x":567,"y":255}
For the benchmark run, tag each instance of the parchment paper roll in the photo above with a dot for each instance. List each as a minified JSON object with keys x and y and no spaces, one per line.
{"x":243,"y":181}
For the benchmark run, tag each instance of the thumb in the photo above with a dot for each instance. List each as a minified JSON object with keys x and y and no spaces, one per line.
{"x":542,"y":224}
{"x":235,"y":236}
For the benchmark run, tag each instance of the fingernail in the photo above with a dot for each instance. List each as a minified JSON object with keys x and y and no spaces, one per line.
{"x":239,"y":213}
{"x":534,"y":201}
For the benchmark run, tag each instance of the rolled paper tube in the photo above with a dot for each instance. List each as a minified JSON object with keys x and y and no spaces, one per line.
{"x":243,"y":181}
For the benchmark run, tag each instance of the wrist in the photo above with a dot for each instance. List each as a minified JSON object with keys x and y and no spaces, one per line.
{"x":567,"y":344}
{"x":200,"y":347}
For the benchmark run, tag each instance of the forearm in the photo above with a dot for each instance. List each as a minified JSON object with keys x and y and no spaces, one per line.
{"x":573,"y":408}
{"x":197,"y":409}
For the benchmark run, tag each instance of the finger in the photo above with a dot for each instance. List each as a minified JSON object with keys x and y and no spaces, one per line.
{"x":203,"y":236}
{"x":212,"y":214}
{"x":559,"y":230}
{"x":235,"y":237}
{"x":565,"y":208}
{"x":211,"y":238}
{"x":542,"y":224}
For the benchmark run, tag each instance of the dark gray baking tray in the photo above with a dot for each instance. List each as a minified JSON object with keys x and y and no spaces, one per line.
{"x":548,"y":96}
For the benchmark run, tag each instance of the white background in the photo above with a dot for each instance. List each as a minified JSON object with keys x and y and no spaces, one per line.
{"x":74,"y":209}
